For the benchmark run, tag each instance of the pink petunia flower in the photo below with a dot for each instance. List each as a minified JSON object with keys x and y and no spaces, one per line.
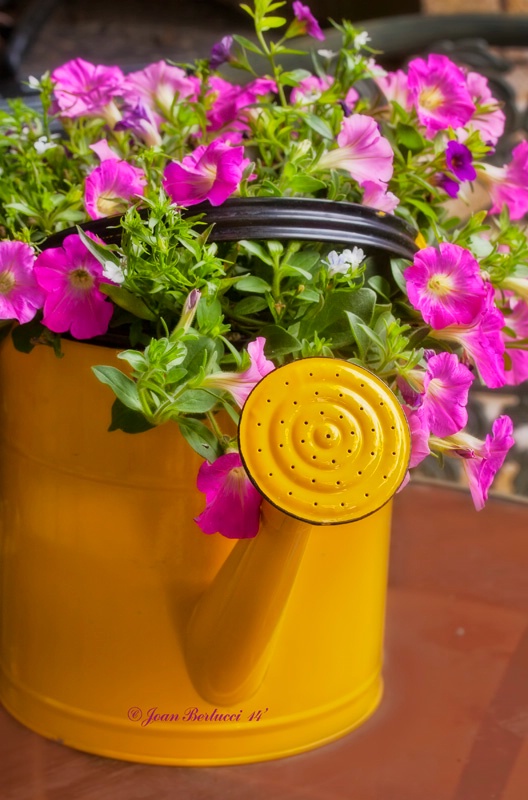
{"x":82,"y":89}
{"x":310,"y":89}
{"x":362,"y":151}
{"x":309,"y":23}
{"x":231,"y":103}
{"x":376,"y":196}
{"x":395,"y":87}
{"x":157,"y":88}
{"x":446,"y":286}
{"x":111,"y":187}
{"x":482,"y":342}
{"x":212,"y":172}
{"x":420,"y":433}
{"x":508,"y":185}
{"x":438,"y":90}
{"x":516,"y":319}
{"x":488,"y":118}
{"x":443,"y":402}
{"x":232,"y":502}
{"x":240,"y":384}
{"x":482,"y":460}
{"x":20,"y":295}
{"x":70,"y":277}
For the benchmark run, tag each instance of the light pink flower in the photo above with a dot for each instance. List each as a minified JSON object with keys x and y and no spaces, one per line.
{"x":395,"y":87}
{"x":111,"y":187}
{"x":488,"y":118}
{"x":439,"y":91}
{"x":446,"y":385}
{"x":446,"y":286}
{"x":310,"y":24}
{"x":362,"y":151}
{"x":20,"y":295}
{"x":420,"y":433}
{"x":232,"y":502}
{"x":231,"y":103}
{"x":212,"y":172}
{"x":240,"y":384}
{"x":310,"y":89}
{"x":157,"y":88}
{"x":376,"y":196}
{"x":482,"y":342}
{"x":508,"y":185}
{"x":103,"y":151}
{"x":482,"y":460}
{"x":70,"y":277}
{"x":516,"y":320}
{"x":83,"y":89}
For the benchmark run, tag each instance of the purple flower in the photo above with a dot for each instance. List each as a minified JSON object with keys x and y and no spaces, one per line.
{"x":439,"y":91}
{"x":141,"y":121}
{"x":310,"y":24}
{"x":221,"y":52}
{"x":84,"y":89}
{"x":459,"y":160}
{"x":232,"y":502}
{"x":450,"y":186}
{"x":111,"y":187}
{"x":20,"y":295}
{"x":446,"y":286}
{"x":70,"y":277}
{"x":362,"y":151}
{"x":212,"y":172}
{"x":240,"y":384}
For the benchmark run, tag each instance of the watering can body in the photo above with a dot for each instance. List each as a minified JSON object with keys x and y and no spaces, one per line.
{"x":103,"y":568}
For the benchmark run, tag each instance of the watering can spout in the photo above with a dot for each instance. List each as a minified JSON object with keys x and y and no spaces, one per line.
{"x":325,"y":442}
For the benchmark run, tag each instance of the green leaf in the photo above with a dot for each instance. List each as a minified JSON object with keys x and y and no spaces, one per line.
{"x":278,"y":341}
{"x":251,"y":283}
{"x":125,"y":299}
{"x":381,"y":286}
{"x":250,"y":305}
{"x":319,"y":126}
{"x":294,"y":77}
{"x":123,"y":386}
{"x":272,"y":22}
{"x":410,"y":138}
{"x":256,"y":250}
{"x":304,"y":183}
{"x":195,"y":401}
{"x":247,"y":44}
{"x":200,"y":438}
{"x":127,"y":420}
{"x":362,"y":340}
{"x":426,"y":210}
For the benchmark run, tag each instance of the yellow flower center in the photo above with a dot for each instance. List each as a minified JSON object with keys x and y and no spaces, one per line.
{"x":440,"y":285}
{"x":7,"y":281}
{"x":110,"y":204}
{"x":80,"y":278}
{"x":431,"y":98}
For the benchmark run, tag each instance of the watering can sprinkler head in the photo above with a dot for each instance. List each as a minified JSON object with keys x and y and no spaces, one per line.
{"x":324,"y":440}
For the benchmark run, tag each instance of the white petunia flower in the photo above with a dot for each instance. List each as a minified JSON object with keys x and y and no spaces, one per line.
{"x":42,"y":144}
{"x":347,"y":261}
{"x":361,"y":40}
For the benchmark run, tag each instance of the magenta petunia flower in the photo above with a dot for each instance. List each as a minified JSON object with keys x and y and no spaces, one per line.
{"x":449,"y":185}
{"x":20,"y":295}
{"x":111,"y":187}
{"x":231,"y":103}
{"x":482,"y":342}
{"x":446,"y":286}
{"x":438,"y":89}
{"x":419,"y":430}
{"x":310,"y":24}
{"x":508,"y":185}
{"x":482,"y":460}
{"x":232,"y":502}
{"x":516,"y":319}
{"x":362,"y":151}
{"x":460,"y":161}
{"x":446,"y":387}
{"x":212,"y":172}
{"x":375,"y":195}
{"x":240,"y":384}
{"x":83,"y":89}
{"x":488,"y":118}
{"x":157,"y":88}
{"x":70,"y":277}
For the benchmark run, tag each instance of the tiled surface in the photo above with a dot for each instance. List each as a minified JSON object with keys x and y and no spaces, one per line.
{"x":454,"y":721}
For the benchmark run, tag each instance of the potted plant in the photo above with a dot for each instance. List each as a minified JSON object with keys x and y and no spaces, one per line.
{"x":195,"y":243}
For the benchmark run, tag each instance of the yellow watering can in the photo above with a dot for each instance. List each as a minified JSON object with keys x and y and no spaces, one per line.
{"x":128,"y":633}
